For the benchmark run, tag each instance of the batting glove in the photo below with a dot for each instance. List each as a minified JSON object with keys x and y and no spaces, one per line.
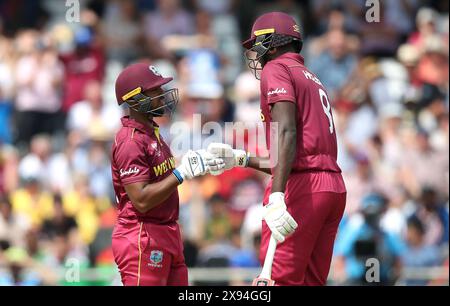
{"x":231,"y":157}
{"x":197,"y":163}
{"x":213,"y":163}
{"x":277,"y":217}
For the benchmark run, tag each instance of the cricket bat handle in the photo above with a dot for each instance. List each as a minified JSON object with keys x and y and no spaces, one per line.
{"x":267,"y":267}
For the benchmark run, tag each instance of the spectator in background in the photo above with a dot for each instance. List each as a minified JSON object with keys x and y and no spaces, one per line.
{"x":351,"y":11}
{"x":16,"y":274}
{"x":65,"y":165}
{"x":93,"y":113}
{"x":9,"y":172}
{"x":63,"y":251}
{"x":219,"y":249}
{"x":218,"y":21}
{"x":122,"y":32}
{"x":39,"y":80}
{"x":335,"y":64}
{"x":7,"y":87}
{"x":246,"y":191}
{"x":218,"y":226}
{"x":84,"y":64}
{"x":433,"y":65}
{"x":418,"y":253}
{"x":409,"y":56}
{"x":426,"y":19}
{"x":99,"y":168}
{"x":362,"y":181}
{"x":400,"y":16}
{"x":245,"y":258}
{"x":382,"y":38}
{"x":60,"y":223}
{"x":33,"y":245}
{"x":84,"y":208}
{"x":41,"y":159}
{"x":13,"y":227}
{"x":251,"y":226}
{"x":247,"y":98}
{"x":362,"y":238}
{"x":430,"y":167}
{"x":169,"y":18}
{"x":361,"y":124}
{"x":32,"y":201}
{"x":203,"y":98}
{"x":433,"y":215}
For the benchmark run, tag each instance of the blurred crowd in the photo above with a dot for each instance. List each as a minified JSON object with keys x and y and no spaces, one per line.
{"x":389,"y":84}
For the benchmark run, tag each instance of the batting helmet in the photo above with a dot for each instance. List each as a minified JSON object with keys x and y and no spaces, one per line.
{"x":134,"y":80}
{"x":270,"y":30}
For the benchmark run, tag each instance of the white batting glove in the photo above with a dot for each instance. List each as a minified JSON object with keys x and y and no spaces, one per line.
{"x":197,"y":163}
{"x":277,"y":217}
{"x":213,"y":163}
{"x":231,"y":157}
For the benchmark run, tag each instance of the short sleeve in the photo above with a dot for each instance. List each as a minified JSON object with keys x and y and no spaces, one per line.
{"x":132,"y":162}
{"x":277,"y":84}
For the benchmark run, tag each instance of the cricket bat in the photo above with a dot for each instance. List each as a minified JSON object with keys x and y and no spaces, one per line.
{"x":264,"y":279}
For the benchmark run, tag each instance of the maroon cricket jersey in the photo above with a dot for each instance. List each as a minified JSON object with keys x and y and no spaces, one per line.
{"x":139,"y":154}
{"x":287,"y":79}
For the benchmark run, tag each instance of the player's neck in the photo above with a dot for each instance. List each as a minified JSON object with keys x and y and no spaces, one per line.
{"x":145,"y":119}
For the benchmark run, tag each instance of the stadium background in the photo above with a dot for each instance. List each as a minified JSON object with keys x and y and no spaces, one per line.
{"x":389,"y":86}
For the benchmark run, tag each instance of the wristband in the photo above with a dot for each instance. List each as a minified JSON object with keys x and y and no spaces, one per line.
{"x":178,"y":175}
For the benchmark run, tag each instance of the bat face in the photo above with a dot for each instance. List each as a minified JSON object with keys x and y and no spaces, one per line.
{"x":263,"y":282}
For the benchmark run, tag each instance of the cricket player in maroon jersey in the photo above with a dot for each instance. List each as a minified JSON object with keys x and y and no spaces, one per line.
{"x":305,"y":199}
{"x":146,"y":241}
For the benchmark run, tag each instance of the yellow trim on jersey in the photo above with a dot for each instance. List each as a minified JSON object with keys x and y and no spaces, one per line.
{"x":157,"y":133}
{"x":140,"y":254}
{"x":132,"y":93}
{"x":264,"y":31}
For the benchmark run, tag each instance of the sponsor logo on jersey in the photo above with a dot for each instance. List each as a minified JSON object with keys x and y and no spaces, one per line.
{"x":165,"y":166}
{"x":156,"y":258}
{"x":130,"y":171}
{"x":277,"y":91}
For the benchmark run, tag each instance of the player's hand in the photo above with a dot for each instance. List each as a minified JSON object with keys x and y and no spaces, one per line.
{"x":232,"y":158}
{"x":197,"y":163}
{"x":213,"y":163}
{"x":278,"y":218}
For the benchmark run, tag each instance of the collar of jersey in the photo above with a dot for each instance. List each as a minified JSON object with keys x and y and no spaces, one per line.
{"x":128,"y":122}
{"x":294,"y":56}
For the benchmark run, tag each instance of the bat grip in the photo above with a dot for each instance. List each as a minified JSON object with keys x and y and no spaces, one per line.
{"x":267,"y":268}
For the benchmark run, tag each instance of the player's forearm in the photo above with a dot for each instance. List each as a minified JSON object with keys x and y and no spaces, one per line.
{"x":152,"y":195}
{"x":260,"y":163}
{"x":287,"y":138}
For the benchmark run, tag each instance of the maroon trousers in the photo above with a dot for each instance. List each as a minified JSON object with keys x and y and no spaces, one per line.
{"x":149,"y":254}
{"x":304,"y":258}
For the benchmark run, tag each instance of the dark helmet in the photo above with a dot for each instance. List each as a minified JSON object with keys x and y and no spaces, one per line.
{"x":270,"y":30}
{"x":134,"y":80}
